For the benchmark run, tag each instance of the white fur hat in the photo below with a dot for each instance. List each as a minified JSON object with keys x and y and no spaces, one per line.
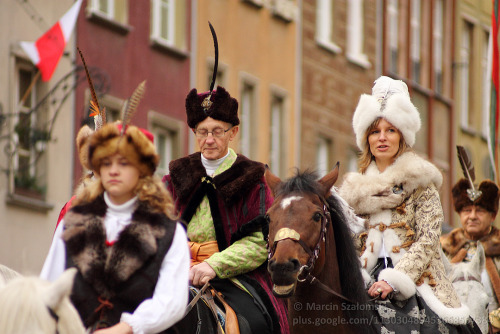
{"x":389,"y":100}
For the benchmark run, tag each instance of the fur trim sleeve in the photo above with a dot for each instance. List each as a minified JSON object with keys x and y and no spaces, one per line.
{"x":400,"y":281}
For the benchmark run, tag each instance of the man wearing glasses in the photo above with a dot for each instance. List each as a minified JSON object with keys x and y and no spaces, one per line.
{"x":223,"y":198}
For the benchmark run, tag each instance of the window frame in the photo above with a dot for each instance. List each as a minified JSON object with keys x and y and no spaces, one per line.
{"x":324,"y":26}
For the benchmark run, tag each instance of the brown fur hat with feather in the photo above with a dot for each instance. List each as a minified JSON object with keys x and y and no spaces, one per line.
{"x":488,"y":200}
{"x":135,"y":144}
{"x":82,"y":145}
{"x":223,"y":107}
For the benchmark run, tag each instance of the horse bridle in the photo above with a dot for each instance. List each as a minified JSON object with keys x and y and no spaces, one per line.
{"x":286,"y":233}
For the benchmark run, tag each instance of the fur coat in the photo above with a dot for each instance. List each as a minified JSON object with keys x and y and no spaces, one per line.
{"x":403,"y":214}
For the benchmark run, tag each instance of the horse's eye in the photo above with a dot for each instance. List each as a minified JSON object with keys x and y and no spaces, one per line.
{"x":266,"y":217}
{"x":317,"y":217}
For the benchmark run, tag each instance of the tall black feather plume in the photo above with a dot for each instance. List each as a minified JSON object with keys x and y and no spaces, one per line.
{"x":468,"y":170}
{"x":216,"y":64}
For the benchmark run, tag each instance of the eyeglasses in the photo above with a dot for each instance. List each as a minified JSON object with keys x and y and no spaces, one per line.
{"x":217,"y":132}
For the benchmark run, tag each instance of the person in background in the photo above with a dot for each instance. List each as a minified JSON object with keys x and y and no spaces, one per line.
{"x":478,"y":209}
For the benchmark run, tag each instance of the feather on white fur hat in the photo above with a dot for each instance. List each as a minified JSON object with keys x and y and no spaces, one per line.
{"x":389,"y":100}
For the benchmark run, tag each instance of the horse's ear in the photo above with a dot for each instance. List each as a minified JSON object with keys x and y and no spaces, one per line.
{"x":478,"y":259}
{"x":447,"y":265}
{"x":272,"y":180}
{"x":60,"y":288}
{"x":329,"y":179}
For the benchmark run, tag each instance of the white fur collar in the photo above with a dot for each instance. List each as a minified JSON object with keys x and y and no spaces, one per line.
{"x":374,"y":191}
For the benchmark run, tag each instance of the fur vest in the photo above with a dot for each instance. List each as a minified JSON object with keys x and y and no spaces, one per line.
{"x":403,"y":214}
{"x":117,"y":278}
{"x":238,"y":197}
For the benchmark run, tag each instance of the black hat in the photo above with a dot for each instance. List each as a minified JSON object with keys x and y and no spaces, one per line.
{"x":216,"y":104}
{"x":219,"y":105}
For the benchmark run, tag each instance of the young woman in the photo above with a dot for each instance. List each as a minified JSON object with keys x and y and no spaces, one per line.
{"x":121,"y":235}
{"x":396,"y":192}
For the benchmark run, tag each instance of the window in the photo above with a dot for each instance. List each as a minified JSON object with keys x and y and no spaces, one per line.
{"x":324,"y":25}
{"x":167,"y":139}
{"x":164,"y":140}
{"x":277,"y":152}
{"x":415,"y":39}
{"x":465,"y":71}
{"x":393,"y":26}
{"x":112,"y":10}
{"x":352,"y":160}
{"x":248,"y":115}
{"x":323,"y":156}
{"x":486,"y":90}
{"x":29,"y":137}
{"x":168,"y":23}
{"x":437,"y":35}
{"x":355,"y":33}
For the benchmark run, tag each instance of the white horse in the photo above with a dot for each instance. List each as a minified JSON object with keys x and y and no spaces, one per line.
{"x":31,"y":305}
{"x":466,"y":279}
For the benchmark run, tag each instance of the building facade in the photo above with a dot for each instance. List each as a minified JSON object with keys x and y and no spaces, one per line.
{"x":127,"y":42}
{"x":257,"y":66}
{"x":338,"y":65}
{"x":472,"y":94}
{"x":36,"y":134}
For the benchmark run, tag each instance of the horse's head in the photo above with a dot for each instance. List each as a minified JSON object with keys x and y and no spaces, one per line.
{"x":466,"y":279}
{"x":298,"y":221}
{"x":32,"y":305}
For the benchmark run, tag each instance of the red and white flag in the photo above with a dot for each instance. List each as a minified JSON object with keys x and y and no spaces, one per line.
{"x":48,"y":49}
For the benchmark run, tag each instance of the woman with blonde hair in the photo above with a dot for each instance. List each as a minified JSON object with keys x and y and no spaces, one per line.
{"x":396,"y":192}
{"x":123,"y":237}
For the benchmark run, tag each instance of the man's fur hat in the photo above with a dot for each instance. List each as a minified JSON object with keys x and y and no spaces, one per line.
{"x":488,"y":200}
{"x":222,"y":107}
{"x":389,"y":100}
{"x":135,"y":144}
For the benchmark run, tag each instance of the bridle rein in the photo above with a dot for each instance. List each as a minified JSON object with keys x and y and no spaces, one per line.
{"x":286,"y":233}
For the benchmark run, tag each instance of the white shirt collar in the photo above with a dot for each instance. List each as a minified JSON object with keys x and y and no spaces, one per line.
{"x":212,"y":165}
{"x":125,"y":208}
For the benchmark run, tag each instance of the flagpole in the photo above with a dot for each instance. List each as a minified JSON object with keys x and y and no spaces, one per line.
{"x":30,"y":88}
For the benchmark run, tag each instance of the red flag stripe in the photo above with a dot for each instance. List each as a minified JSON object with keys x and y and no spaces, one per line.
{"x":50,"y":49}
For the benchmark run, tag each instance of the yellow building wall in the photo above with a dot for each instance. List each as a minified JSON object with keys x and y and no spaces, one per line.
{"x":255,"y":43}
{"x":477,"y":14}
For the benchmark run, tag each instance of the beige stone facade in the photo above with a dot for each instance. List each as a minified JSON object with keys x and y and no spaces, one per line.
{"x":28,"y":218}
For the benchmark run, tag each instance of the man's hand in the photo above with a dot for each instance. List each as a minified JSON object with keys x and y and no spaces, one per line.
{"x":200,"y":274}
{"x":119,"y":328}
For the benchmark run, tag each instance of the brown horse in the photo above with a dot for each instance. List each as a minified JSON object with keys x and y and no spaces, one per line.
{"x":312,"y":260}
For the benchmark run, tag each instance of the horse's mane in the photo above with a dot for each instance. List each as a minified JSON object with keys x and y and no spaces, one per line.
{"x":351,"y":281}
{"x":23,"y":310}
